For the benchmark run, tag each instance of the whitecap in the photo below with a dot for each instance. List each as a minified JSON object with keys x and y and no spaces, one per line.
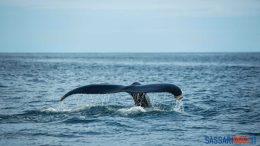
{"x":132,"y":110}
{"x":55,"y":110}
{"x":61,"y":109}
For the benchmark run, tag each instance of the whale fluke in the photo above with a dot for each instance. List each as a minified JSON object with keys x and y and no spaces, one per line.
{"x":138,"y":91}
{"x":95,"y":89}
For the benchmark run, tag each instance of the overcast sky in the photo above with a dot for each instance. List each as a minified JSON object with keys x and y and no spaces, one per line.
{"x":129,"y":25}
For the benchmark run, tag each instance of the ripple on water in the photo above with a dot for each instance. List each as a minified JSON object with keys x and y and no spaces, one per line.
{"x":220,"y":94}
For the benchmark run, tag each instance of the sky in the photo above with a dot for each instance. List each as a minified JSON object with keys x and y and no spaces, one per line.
{"x":130,"y":26}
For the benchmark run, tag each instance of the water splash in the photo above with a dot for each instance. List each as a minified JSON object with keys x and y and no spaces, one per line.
{"x":179,"y":106}
{"x":132,"y":110}
{"x":62,"y":108}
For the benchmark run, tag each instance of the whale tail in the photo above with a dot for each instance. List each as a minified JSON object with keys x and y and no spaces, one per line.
{"x":140,"y":99}
{"x":136,"y":90}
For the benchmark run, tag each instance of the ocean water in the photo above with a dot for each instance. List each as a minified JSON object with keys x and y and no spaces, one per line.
{"x":221,"y":98}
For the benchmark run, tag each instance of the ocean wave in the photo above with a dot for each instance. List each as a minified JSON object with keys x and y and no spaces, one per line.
{"x":131,"y":110}
{"x":78,"y":115}
{"x":2,"y":86}
{"x":80,"y":119}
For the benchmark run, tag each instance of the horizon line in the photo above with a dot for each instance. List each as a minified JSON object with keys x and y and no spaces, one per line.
{"x":131,"y":52}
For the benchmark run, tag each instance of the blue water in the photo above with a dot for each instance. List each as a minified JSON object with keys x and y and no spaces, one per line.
{"x":221,"y":98}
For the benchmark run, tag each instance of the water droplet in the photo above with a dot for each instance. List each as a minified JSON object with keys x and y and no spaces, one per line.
{"x":179,"y":106}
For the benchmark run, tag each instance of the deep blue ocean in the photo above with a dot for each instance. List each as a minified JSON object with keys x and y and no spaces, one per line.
{"x":221,"y":98}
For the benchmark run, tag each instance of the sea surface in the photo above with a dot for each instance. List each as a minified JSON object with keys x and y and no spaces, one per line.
{"x":221,"y":98}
